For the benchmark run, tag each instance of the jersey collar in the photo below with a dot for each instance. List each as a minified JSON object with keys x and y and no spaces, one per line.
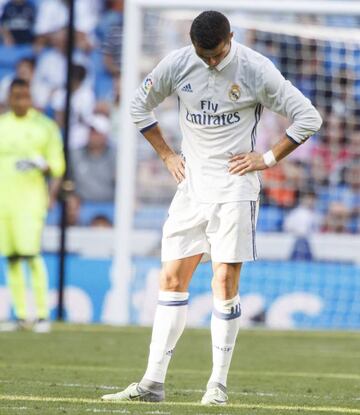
{"x":228,"y":58}
{"x":28,"y":115}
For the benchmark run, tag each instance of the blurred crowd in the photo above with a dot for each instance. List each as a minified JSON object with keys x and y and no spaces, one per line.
{"x":34,"y":47}
{"x":316,"y":189}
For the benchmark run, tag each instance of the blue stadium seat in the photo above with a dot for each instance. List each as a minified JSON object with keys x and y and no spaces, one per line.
{"x":150,"y":217}
{"x":103,"y":79}
{"x":89,"y":210}
{"x":10,"y":55}
{"x":270,"y":219}
{"x":54,"y":215}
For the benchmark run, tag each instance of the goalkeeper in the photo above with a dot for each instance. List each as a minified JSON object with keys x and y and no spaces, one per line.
{"x":30,"y":151}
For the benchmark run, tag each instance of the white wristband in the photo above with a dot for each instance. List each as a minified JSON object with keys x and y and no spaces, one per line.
{"x":269,"y":158}
{"x":40,"y":163}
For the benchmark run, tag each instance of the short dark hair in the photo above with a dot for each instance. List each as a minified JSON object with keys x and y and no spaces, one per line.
{"x":18,"y":82}
{"x":30,"y":60}
{"x":209,"y":29}
{"x":78,"y":72}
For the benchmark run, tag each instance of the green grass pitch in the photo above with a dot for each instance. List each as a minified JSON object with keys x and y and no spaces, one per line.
{"x":67,"y":371}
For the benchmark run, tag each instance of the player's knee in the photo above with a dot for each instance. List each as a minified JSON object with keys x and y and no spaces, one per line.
{"x":170,"y":281}
{"x":224,"y":282}
{"x":12,"y":259}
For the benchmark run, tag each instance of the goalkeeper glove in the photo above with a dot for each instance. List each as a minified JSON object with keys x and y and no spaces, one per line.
{"x":31,"y":164}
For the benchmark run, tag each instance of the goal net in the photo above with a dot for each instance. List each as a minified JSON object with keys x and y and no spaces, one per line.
{"x":305,"y":199}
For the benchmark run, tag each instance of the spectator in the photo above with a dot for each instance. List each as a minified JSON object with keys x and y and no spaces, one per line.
{"x":25,"y":69}
{"x":82,"y":106}
{"x":93,"y":166}
{"x":2,"y":5}
{"x":100,"y":221}
{"x":72,"y":210}
{"x":303,"y":219}
{"x":282,"y":182}
{"x":354,"y":142}
{"x":113,"y":14}
{"x":53,"y":58}
{"x":111,"y":33}
{"x":17,"y":22}
{"x":337,"y":218}
{"x":349,"y":192}
{"x":54,"y":14}
{"x":331,"y":151}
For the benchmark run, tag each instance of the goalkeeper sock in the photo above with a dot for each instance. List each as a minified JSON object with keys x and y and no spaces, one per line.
{"x":40,"y":286}
{"x":224,"y":330}
{"x":17,"y":285}
{"x":169,"y":323}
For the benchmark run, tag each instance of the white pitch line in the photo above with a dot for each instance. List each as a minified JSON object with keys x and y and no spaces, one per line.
{"x":103,"y":328}
{"x":110,"y":411}
{"x":108,"y":387}
{"x":124,"y":411}
{"x":297,"y":408}
{"x":15,"y":408}
{"x":345,"y":376}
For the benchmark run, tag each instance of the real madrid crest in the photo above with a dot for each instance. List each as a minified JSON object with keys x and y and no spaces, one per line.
{"x":234,"y":93}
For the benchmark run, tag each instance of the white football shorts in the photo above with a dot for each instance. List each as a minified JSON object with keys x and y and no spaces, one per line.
{"x":223,"y":232}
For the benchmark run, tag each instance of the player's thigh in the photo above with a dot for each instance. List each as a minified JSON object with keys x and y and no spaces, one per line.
{"x":27,"y":231}
{"x":233,"y":241}
{"x":184,"y":230}
{"x":176,"y":274}
{"x":7,"y":246}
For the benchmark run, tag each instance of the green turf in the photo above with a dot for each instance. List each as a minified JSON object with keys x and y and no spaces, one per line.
{"x":67,"y":371}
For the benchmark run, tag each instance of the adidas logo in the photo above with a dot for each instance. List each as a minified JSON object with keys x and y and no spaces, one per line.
{"x":187,"y":88}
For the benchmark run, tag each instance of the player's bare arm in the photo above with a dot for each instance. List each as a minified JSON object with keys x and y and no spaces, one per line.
{"x":174,"y":162}
{"x":243,"y":163}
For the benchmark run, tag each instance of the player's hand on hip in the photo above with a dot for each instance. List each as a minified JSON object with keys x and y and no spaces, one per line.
{"x":243,"y":163}
{"x":176,"y":166}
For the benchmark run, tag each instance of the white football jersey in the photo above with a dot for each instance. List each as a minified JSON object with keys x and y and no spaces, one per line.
{"x":219,"y":109}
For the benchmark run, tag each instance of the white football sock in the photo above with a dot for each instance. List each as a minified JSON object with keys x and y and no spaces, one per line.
{"x":224,"y":330}
{"x":169,"y":323}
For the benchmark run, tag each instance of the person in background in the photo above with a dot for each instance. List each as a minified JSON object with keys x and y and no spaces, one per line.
{"x":110,"y":31}
{"x":17,"y":22}
{"x":303,"y":219}
{"x":337,"y":219}
{"x":25,"y":69}
{"x":82,"y":106}
{"x":54,"y":15}
{"x":30,"y":153}
{"x":93,"y":166}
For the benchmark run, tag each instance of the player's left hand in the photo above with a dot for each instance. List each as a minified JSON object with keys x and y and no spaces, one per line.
{"x":243,"y":163}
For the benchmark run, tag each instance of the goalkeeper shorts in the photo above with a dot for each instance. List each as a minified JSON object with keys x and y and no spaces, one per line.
{"x":20,"y":234}
{"x":224,"y":232}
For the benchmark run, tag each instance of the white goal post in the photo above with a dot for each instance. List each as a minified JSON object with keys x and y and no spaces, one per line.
{"x":126,"y":173}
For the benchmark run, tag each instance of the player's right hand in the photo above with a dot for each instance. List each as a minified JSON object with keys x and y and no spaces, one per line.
{"x":176,"y":166}
{"x":31,"y":164}
{"x":25,"y":165}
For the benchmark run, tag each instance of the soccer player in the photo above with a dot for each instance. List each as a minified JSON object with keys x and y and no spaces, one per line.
{"x":30,"y":151}
{"x":222,"y":87}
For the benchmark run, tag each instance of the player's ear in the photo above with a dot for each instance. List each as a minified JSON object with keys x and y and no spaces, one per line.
{"x":231,"y":35}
